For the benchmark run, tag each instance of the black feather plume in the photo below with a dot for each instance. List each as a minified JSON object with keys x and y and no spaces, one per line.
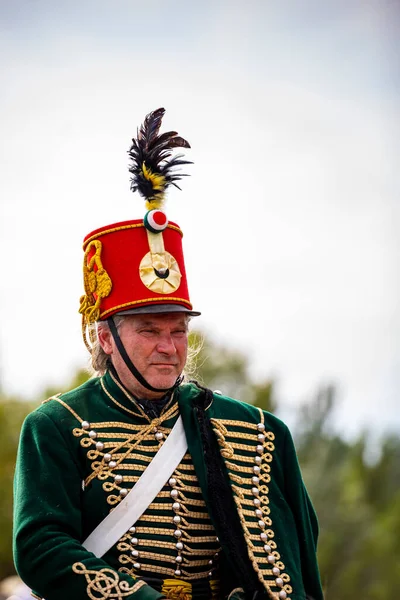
{"x":152,"y":167}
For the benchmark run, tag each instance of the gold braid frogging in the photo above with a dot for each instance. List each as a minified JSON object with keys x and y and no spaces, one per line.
{"x":227,"y":449}
{"x":105,"y":584}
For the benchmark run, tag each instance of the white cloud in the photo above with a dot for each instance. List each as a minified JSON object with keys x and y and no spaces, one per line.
{"x":289,"y":216}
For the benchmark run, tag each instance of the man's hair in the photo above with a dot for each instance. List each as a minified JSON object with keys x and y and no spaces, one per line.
{"x":99,"y":359}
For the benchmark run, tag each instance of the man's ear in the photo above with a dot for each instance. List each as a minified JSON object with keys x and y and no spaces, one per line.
{"x":105,"y":337}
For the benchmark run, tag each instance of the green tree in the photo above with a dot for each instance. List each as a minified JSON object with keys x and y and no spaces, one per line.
{"x":220,"y":368}
{"x":78,"y":378}
{"x":12,"y":414}
{"x":358,"y":504}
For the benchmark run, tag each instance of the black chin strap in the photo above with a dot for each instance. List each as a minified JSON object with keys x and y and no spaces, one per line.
{"x":131,"y":366}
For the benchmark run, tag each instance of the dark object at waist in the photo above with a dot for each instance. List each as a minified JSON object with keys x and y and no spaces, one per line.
{"x":177,"y":589}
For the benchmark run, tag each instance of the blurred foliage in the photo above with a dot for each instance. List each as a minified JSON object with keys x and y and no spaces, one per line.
{"x":12,"y":414}
{"x":358,"y":504}
{"x":78,"y":379}
{"x":357,"y":500}
{"x":226,"y":370}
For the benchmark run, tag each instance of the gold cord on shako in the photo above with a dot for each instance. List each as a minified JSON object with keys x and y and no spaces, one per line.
{"x":137,"y":267}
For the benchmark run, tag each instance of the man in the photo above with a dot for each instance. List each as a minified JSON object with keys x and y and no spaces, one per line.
{"x":137,"y":485}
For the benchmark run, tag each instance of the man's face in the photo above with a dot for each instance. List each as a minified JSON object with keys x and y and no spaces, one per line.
{"x":157,"y":346}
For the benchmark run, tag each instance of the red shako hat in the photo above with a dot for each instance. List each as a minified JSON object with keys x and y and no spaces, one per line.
{"x":138,"y":266}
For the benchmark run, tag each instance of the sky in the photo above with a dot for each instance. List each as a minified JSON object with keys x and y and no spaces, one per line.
{"x":291,"y":213}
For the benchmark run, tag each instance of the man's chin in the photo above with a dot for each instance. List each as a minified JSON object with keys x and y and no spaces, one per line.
{"x":164,"y":379}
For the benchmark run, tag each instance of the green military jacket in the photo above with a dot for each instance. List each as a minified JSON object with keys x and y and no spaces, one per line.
{"x":80,"y":453}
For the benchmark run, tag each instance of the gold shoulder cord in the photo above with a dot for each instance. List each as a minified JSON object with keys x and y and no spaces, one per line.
{"x":71,"y":410}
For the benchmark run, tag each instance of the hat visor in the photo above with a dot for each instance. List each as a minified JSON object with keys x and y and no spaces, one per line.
{"x":159,"y":309}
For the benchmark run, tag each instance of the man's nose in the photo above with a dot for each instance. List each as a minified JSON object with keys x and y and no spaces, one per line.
{"x":166,"y":345}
